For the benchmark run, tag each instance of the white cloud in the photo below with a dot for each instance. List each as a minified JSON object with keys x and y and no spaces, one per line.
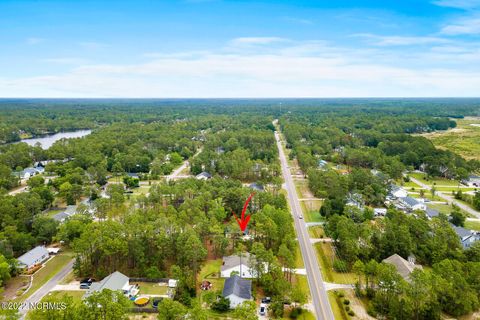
{"x":34,"y":40}
{"x":298,"y":20}
{"x":66,"y":60}
{"x":459,"y":4}
{"x":256,"y":40}
{"x":401,"y":40}
{"x":298,"y":69}
{"x":464,"y":26}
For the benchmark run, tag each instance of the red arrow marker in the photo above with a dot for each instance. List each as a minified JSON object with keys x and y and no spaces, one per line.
{"x":243,"y":222}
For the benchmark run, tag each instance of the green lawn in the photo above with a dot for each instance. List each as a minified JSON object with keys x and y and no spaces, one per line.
{"x":75,"y":294}
{"x":51,"y":268}
{"x":298,"y":258}
{"x":472,"y":225}
{"x":152,"y":288}
{"x":337,"y":307}
{"x":211,"y":272}
{"x":434,"y":181}
{"x":316,"y":232}
{"x":325,"y":257}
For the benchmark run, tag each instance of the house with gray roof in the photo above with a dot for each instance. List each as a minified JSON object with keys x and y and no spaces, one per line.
{"x":404,"y":267}
{"x":33,"y":257}
{"x":203,"y":176}
{"x":431,"y":213}
{"x":116,"y":281}
{"x":467,"y":237}
{"x":397,"y":192}
{"x":410,"y":204}
{"x":237,"y":290}
{"x":257,"y":187}
{"x":236,"y":264}
{"x":68,"y":212}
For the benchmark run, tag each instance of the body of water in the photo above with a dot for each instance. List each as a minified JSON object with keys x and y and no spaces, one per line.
{"x":47,"y":141}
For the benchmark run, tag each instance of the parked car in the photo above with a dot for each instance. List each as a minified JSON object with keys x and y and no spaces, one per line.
{"x":263,"y":310}
{"x":266,"y":300}
{"x":86,"y":283}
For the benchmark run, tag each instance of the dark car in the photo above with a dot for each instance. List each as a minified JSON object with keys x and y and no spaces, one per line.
{"x":156,"y":301}
{"x":266,"y":300}
{"x":86,"y":283}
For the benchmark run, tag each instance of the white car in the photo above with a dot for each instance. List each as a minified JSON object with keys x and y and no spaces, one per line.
{"x":300,"y":216}
{"x":263,"y":309}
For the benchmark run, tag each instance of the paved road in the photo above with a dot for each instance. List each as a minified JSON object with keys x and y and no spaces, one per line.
{"x":176,"y":173}
{"x":318,"y":292}
{"x":449,"y":199}
{"x":46,"y":288}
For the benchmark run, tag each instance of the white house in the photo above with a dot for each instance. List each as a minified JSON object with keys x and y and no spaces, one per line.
{"x":203,"y":176}
{"x":33,"y":257}
{"x":379,"y":212}
{"x":397,"y":192}
{"x":237,"y":290}
{"x":467,"y":237}
{"x":240,"y":265}
{"x":411,"y":204}
{"x":116,"y":281}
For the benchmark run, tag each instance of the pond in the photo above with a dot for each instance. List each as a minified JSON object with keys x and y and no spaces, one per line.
{"x":48,"y":140}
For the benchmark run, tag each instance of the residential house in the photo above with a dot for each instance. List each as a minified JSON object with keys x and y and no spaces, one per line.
{"x":397,"y":192}
{"x":68,"y":212}
{"x":27,"y":173}
{"x":355,"y":200}
{"x":467,"y":237}
{"x":404,"y":267}
{"x":257,"y":187}
{"x":410,"y":204}
{"x":203,"y":176}
{"x":220,"y":150}
{"x":240,"y":265}
{"x":33,"y":257}
{"x":322,"y":164}
{"x":473,"y":181}
{"x":379,"y":212}
{"x":237,"y":290}
{"x":116,"y":281}
{"x":431,"y":213}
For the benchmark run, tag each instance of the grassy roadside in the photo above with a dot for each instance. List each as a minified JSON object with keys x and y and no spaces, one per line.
{"x":51,"y":268}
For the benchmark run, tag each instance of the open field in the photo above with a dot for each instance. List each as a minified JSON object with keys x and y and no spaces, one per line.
{"x":438,"y":182}
{"x":75,"y":294}
{"x":464,"y":140}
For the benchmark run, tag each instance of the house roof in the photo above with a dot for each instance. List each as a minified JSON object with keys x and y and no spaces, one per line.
{"x":234,"y":261}
{"x":404,"y":268}
{"x":60,"y":216}
{"x":204,"y":174}
{"x":33,"y":255}
{"x":432,"y":212}
{"x":240,"y":287}
{"x":462,"y":232}
{"x":256,"y":186}
{"x":410,"y":201}
{"x":114,"y":281}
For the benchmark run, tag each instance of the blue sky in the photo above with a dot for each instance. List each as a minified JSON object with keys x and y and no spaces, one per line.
{"x":214,"y":48}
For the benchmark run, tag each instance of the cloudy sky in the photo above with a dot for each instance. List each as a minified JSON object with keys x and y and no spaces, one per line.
{"x":215,"y":48}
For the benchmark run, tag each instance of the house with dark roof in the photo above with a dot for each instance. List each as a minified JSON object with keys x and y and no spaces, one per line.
{"x":237,"y":290}
{"x":467,"y":237}
{"x":116,"y":281}
{"x":257,"y":187}
{"x":33,"y":257}
{"x":404,"y":267}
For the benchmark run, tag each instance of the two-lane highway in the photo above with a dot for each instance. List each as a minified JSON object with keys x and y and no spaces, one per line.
{"x":319,"y":295}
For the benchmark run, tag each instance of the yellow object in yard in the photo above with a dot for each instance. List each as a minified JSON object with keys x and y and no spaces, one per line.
{"x":142,"y":301}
